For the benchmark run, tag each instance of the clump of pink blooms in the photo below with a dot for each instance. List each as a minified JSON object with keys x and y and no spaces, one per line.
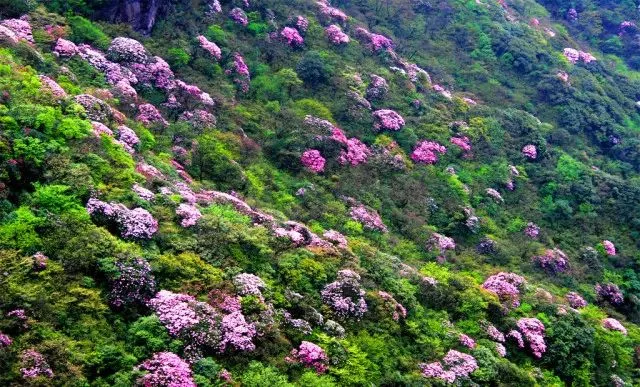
{"x":127,"y":136}
{"x":378,"y":87}
{"x":444,"y":92}
{"x":533,"y":331}
{"x":313,"y":160}
{"x":7,"y":35}
{"x":376,"y":41}
{"x":574,"y":56}
{"x":310,"y":355}
{"x":53,"y":87}
{"x":553,"y":261}
{"x":65,"y":48}
{"x":20,"y":27}
{"x":334,"y":13}
{"x":609,"y":292}
{"x":454,"y":365}
{"x":494,"y":194}
{"x":532,"y":230}
{"x":614,"y":325}
{"x":336,"y":238}
{"x":386,"y":119}
{"x":517,"y":336}
{"x":575,"y":300}
{"x":529,"y":151}
{"x":627,"y":26}
{"x":441,"y":242}
{"x":148,"y":115}
{"x":210,"y":47}
{"x":96,"y":109}
{"x":237,"y":333}
{"x":291,"y":36}
{"x":370,"y":219}
{"x":494,"y":334}
{"x":175,"y":311}
{"x":461,"y":142}
{"x":427,"y":152}
{"x":242,"y":71}
{"x":149,"y":171}
{"x":302,"y":23}
{"x":142,"y":192}
{"x":335,"y":35}
{"x":21,"y":316}
{"x":199,"y":118}
{"x":188,"y":214}
{"x":238,"y":16}
{"x":127,"y":50}
{"x":34,"y":365}
{"x":563,"y":76}
{"x":506,"y":287}
{"x":39,"y":261}
{"x":136,"y":223}
{"x":133,"y":284}
{"x":357,"y":152}
{"x":5,"y":340}
{"x":248,"y":284}
{"x":166,"y":369}
{"x":466,"y":341}
{"x":396,"y":308}
{"x":609,"y":247}
{"x":345,"y":296}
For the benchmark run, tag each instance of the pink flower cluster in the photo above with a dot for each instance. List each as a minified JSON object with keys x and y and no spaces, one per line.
{"x":345,"y":296}
{"x":466,"y":341}
{"x":495,"y":195}
{"x":335,"y":35}
{"x":189,"y":214}
{"x":455,"y":365}
{"x":34,"y":365}
{"x":517,"y":336}
{"x":20,"y":27}
{"x":370,"y":219}
{"x":310,"y":355}
{"x":65,"y":48}
{"x":494,"y":334}
{"x":609,"y":292}
{"x":627,"y":25}
{"x":614,"y":325}
{"x":95,"y":108}
{"x":336,"y":238}
{"x":291,"y":36}
{"x":39,"y":261}
{"x":134,"y":283}
{"x":238,"y":16}
{"x":334,"y":13}
{"x":532,"y":230}
{"x":248,"y":284}
{"x":529,"y":151}
{"x":444,"y":92}
{"x":237,"y":333}
{"x":386,"y":119}
{"x":427,"y":152}
{"x":462,"y":142}
{"x":441,"y":242}
{"x":554,"y":261}
{"x":149,"y":114}
{"x":377,"y":42}
{"x":176,"y":311}
{"x":506,"y":287}
{"x":378,"y":87}
{"x":128,"y":137}
{"x":502,"y":351}
{"x":242,"y":71}
{"x":5,"y":340}
{"x":357,"y":152}
{"x":52,"y":86}
{"x":210,"y":47}
{"x":575,"y":300}
{"x":609,"y":247}
{"x":136,"y":223}
{"x":199,"y":118}
{"x":166,"y":369}
{"x":302,"y":23}
{"x":574,"y":56}
{"x":313,"y":160}
{"x":127,"y":50}
{"x":390,"y":303}
{"x":563,"y":76}
{"x":533,"y":331}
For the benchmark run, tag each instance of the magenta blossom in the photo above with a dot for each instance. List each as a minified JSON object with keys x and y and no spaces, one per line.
{"x":291,"y":36}
{"x":575,"y":300}
{"x":370,"y":219}
{"x":609,"y":247}
{"x":529,"y":151}
{"x":166,"y":369}
{"x":313,"y":160}
{"x":386,"y":119}
{"x":310,"y":355}
{"x":614,"y":325}
{"x":335,"y":35}
{"x":533,"y":331}
{"x":427,"y":152}
{"x":210,"y":47}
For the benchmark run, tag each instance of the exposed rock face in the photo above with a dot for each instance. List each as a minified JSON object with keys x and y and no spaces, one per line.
{"x":140,"y":14}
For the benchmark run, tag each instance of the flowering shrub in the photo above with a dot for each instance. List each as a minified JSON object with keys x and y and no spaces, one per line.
{"x":198,"y":118}
{"x":386,"y":119}
{"x":441,"y":242}
{"x":127,"y":50}
{"x":128,"y":136}
{"x":427,"y":152}
{"x":331,"y":12}
{"x":502,"y":351}
{"x":505,"y":286}
{"x":533,"y":331}
{"x":39,"y":261}
{"x":242,"y":71}
{"x":575,"y":300}
{"x":291,"y":36}
{"x":136,"y":223}
{"x":336,"y":238}
{"x":494,"y":334}
{"x":34,"y":365}
{"x":335,"y":35}
{"x":553,"y":261}
{"x":461,"y":142}
{"x":302,"y":23}
{"x":5,"y":341}
{"x":529,"y":151}
{"x":313,"y":160}
{"x":466,"y":341}
{"x":494,"y":194}
{"x":356,"y":153}
{"x":210,"y":47}
{"x":377,"y":88}
{"x":609,"y":247}
{"x":238,"y":16}
{"x":532,"y":230}
{"x":377,"y":42}
{"x":166,"y":369}
{"x":444,"y":92}
{"x":456,"y":365}
{"x":609,"y":292}
{"x":52,"y":86}
{"x":149,"y":171}
{"x":368,"y":218}
{"x":344,"y":296}
{"x":148,"y":115}
{"x":237,"y":333}
{"x":574,"y":56}
{"x":390,"y":303}
{"x":614,"y":325}
{"x":155,"y":73}
{"x":96,"y":109}
{"x":517,"y":336}
{"x":310,"y":355}
{"x":20,"y":27}
{"x":65,"y":48}
{"x":188,"y":214}
{"x":134,"y":283}
{"x":248,"y":284}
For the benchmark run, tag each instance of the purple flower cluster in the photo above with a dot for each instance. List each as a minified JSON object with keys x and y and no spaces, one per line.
{"x":20,"y":27}
{"x":532,"y":230}
{"x":494,"y":334}
{"x":427,"y":152}
{"x":336,"y":238}
{"x":238,"y":16}
{"x":34,"y":365}
{"x":127,"y":50}
{"x":554,"y":261}
{"x":444,"y":92}
{"x":461,"y":142}
{"x":370,"y":219}
{"x":5,"y":340}
{"x":210,"y":47}
{"x":328,"y":11}
{"x":390,"y":303}
{"x":241,"y":70}
{"x":133,"y":284}
{"x":505,"y":286}
{"x":614,"y":325}
{"x":39,"y":261}
{"x":575,"y":300}
{"x":237,"y":333}
{"x":96,"y":109}
{"x":466,"y":341}
{"x":176,"y":311}
{"x":335,"y":35}
{"x":609,"y":292}
{"x":149,"y":114}
{"x":377,"y":42}
{"x":574,"y":56}
{"x":143,"y":193}
{"x":386,"y":119}
{"x":454,"y":365}
{"x":529,"y":151}
{"x":65,"y":48}
{"x":52,"y":87}
{"x":136,"y":223}
{"x":200,"y":119}
{"x":302,"y":23}
{"x":609,"y":247}
{"x":441,"y":242}
{"x":128,"y":137}
{"x":495,"y":195}
{"x":345,"y":296}
{"x":533,"y":331}
{"x":189,"y":214}
{"x":502,"y":351}
{"x":291,"y":36}
{"x":248,"y":284}
{"x":357,"y":152}
{"x":313,"y":160}
{"x":377,"y":88}
{"x":310,"y":355}
{"x":517,"y":336}
{"x":166,"y":369}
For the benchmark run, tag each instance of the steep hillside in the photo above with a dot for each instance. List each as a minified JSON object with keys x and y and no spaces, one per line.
{"x":356,"y":193}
